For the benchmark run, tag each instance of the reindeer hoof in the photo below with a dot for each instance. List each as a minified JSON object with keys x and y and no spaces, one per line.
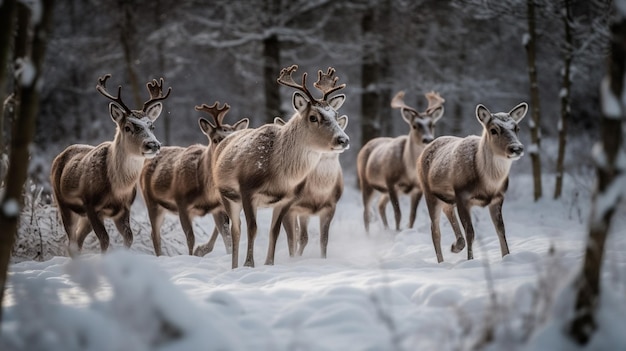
{"x":202,"y":250}
{"x":458,"y":246}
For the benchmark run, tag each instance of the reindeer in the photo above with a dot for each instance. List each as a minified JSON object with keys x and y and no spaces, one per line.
{"x":91,"y":183}
{"x":323,"y":188}
{"x":266,"y":167}
{"x":465,"y":172}
{"x":388,"y":164}
{"x":180,"y":180}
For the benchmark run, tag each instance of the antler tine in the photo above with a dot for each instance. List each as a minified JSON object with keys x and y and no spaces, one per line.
{"x":398,"y":102}
{"x":327,"y":82}
{"x":101,"y":87}
{"x":218,"y":113}
{"x":286,"y":79}
{"x":434,"y":100}
{"x":155,"y":88}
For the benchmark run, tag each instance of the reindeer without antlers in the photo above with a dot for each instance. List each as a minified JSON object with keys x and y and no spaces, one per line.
{"x":388,"y":164}
{"x":465,"y":172}
{"x":319,"y":196}
{"x":91,"y":183}
{"x":180,"y":180}
{"x":265,"y":167}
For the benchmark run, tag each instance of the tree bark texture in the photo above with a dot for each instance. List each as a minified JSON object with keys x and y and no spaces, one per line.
{"x":370,"y":77}
{"x":7,"y":16}
{"x":23,"y":134}
{"x":605,"y":200}
{"x":535,"y":130}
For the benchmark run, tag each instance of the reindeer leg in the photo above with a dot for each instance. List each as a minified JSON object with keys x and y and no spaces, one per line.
{"x":289,"y":223}
{"x":416,"y":196}
{"x":495,"y":210}
{"x":122,"y":223}
{"x":187,"y":225}
{"x":156,"y":215}
{"x":434,"y":208}
{"x":69,"y":218}
{"x":221,"y":227}
{"x":277,"y":218}
{"x":459,"y":244}
{"x":82,"y":230}
{"x":233,"y":210}
{"x":463,"y":208}
{"x":303,"y":237}
{"x":395,"y":203}
{"x":250,"y":213}
{"x":382,"y":204}
{"x":98,"y":228}
{"x":366,"y":191}
{"x":325,"y":218}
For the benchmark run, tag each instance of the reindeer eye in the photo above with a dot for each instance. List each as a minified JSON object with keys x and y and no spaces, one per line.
{"x":313,"y":118}
{"x":493,"y":131}
{"x":127,"y":129}
{"x":516,"y":128}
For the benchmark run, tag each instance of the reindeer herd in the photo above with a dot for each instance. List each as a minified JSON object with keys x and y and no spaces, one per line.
{"x":289,"y":166}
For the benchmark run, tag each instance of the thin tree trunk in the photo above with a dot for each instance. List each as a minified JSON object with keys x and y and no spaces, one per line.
{"x":158,"y":21}
{"x":23,"y":134}
{"x":7,"y":16}
{"x":565,"y":99}
{"x":271,"y":63}
{"x":385,"y":113}
{"x":607,"y":194}
{"x":535,"y":128}
{"x":127,"y":39}
{"x":370,"y":71}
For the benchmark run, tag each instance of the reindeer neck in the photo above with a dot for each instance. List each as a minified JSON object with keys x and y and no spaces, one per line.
{"x":495,"y":167}
{"x":295,"y":159}
{"x":412,"y":149}
{"x":123,"y":168}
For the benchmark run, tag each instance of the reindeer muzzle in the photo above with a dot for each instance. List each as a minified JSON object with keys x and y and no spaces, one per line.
{"x":151,"y":149}
{"x":342,"y":143}
{"x":515,"y":151}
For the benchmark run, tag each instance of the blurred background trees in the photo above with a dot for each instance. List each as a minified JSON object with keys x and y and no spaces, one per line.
{"x":471,"y":51}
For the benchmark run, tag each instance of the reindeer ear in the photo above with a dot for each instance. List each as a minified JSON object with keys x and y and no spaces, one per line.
{"x":343,"y":122}
{"x":409,"y":115}
{"x":116,"y":112}
{"x":518,"y":112}
{"x":279,"y":121}
{"x":337,"y":101}
{"x":206,"y":126}
{"x":483,"y":114}
{"x":154,"y":111}
{"x":243,"y":124}
{"x":300,"y":102}
{"x":436,"y":114}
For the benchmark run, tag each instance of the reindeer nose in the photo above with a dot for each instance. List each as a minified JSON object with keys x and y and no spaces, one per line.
{"x":343,"y":141}
{"x":516,"y":149}
{"x":427,"y":140}
{"x":153,"y":146}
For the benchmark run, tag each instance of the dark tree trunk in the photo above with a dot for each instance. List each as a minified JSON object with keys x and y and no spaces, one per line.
{"x":7,"y":16}
{"x":370,"y":78}
{"x":565,"y":98}
{"x":271,"y":63}
{"x":535,"y":130}
{"x":127,"y":39}
{"x":588,"y":284}
{"x":158,"y":21}
{"x":23,"y":134}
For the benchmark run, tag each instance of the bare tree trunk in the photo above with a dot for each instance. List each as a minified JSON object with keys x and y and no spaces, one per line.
{"x":535,"y":128}
{"x":271,"y":64}
{"x":607,"y":194}
{"x":23,"y":134}
{"x":7,"y":16}
{"x":370,"y":72}
{"x":127,"y":39}
{"x":565,"y":98}
{"x":158,"y":21}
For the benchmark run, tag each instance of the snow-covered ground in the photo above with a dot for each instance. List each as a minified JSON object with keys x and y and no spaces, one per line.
{"x":383,"y":292}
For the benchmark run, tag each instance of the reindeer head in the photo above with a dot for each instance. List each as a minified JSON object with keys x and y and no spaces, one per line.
{"x":135,"y":127}
{"x":422,"y":123}
{"x":318,"y":117}
{"x":501,"y":130}
{"x":218,"y":131}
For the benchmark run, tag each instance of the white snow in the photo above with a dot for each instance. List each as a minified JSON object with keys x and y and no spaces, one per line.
{"x":383,"y":292}
{"x":11,"y":208}
{"x":610,"y":104}
{"x":25,"y":72}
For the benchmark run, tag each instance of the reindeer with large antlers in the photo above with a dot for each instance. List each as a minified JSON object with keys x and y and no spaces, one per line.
{"x":266,"y":167}
{"x":91,"y":183}
{"x":388,"y":164}
{"x":180,"y":180}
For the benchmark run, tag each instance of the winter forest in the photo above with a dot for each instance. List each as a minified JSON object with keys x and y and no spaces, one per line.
{"x":561,"y":287}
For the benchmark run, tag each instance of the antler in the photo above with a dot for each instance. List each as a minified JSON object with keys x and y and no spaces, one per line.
{"x":215,"y":111}
{"x":155,"y":88}
{"x":434,"y":101}
{"x":101,"y":87}
{"x":286,"y":79}
{"x":327,"y":83}
{"x":398,"y":102}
